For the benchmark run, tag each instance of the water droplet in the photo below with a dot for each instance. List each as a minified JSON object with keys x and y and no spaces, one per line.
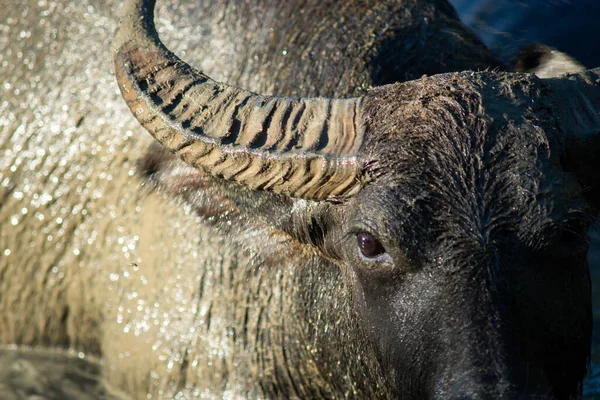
{"x":45,"y":198}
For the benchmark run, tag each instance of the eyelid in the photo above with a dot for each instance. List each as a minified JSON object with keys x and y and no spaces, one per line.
{"x":365,"y":226}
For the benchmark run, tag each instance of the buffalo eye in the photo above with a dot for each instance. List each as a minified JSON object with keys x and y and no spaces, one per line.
{"x":368,"y":245}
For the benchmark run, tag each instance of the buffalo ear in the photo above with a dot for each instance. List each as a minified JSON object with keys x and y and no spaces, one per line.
{"x":230,"y":206}
{"x":162,"y":170}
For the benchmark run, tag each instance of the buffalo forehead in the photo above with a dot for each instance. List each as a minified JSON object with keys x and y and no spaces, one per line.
{"x":469,"y":158}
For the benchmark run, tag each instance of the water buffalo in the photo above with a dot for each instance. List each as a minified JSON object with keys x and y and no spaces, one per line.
{"x":425,"y":239}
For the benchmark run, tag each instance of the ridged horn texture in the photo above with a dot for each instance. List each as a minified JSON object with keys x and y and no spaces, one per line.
{"x":304,"y":148}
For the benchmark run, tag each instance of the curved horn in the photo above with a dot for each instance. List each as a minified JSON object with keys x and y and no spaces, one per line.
{"x":576,"y":105}
{"x":304,"y":148}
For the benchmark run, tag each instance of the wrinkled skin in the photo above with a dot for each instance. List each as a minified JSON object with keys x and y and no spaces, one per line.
{"x":255,"y":295}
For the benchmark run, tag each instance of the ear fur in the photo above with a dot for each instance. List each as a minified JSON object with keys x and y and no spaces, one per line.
{"x":229,"y":207}
{"x":167,"y":173}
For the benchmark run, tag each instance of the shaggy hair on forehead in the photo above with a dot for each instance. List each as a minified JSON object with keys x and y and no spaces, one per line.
{"x":466,"y":169}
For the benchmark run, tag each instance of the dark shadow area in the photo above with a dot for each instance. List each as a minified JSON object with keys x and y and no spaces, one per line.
{"x":573,"y":27}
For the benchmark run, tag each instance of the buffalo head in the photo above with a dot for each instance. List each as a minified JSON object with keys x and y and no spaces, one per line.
{"x":456,"y":206}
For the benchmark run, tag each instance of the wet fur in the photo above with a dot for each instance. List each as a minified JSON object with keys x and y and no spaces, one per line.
{"x":465,"y":187}
{"x":266,"y":296}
